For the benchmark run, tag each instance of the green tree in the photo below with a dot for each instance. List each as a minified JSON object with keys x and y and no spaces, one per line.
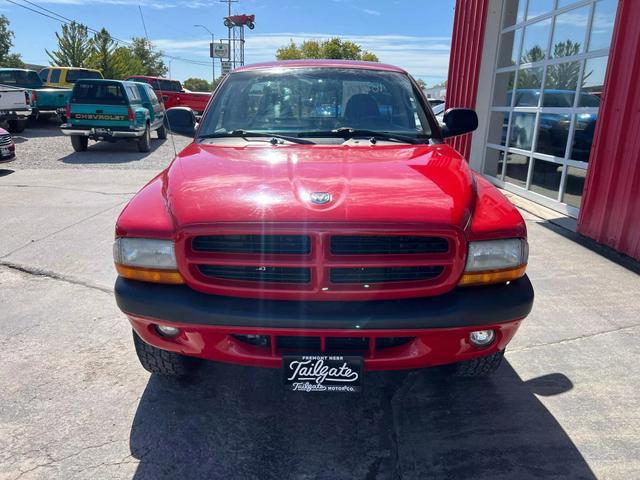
{"x":126,"y":64}
{"x":334,"y":48}
{"x":101,"y":58}
{"x":197,"y":84}
{"x":150,"y":58}
{"x":6,"y":42}
{"x":74,"y":46}
{"x":421,"y":83}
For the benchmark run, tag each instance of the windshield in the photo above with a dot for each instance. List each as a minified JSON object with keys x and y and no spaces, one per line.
{"x":74,"y":75}
{"x":315,"y":101}
{"x":20,"y":78}
{"x":102,"y":93}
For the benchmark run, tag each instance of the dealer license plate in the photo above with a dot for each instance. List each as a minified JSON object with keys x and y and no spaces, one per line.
{"x":322,"y":373}
{"x":101,"y":131}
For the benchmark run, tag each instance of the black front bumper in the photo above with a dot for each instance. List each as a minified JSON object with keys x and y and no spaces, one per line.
{"x":462,"y":307}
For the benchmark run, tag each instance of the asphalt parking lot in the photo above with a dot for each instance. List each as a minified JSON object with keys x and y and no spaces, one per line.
{"x":75,"y":403}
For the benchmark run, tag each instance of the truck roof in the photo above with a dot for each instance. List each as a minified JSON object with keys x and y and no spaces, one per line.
{"x":327,"y":63}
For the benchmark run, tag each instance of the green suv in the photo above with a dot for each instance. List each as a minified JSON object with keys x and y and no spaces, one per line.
{"x":112,"y":110}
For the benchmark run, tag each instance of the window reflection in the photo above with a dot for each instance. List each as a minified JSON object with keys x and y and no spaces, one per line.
{"x":545,"y":179}
{"x":509,"y":48}
{"x":502,"y":89}
{"x":583,"y":136}
{"x":529,"y":84}
{"x":516,"y":169}
{"x":560,"y":85}
{"x":513,"y":12}
{"x":593,"y":81}
{"x":534,"y":44}
{"x":522,"y":130}
{"x":574,"y":186}
{"x":553,"y":131}
{"x":493,"y":162}
{"x":569,"y":33}
{"x":604,"y":17}
{"x":539,"y":7}
{"x":498,"y":127}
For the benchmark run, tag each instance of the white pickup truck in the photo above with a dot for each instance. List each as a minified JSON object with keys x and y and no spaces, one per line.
{"x":15,"y":108}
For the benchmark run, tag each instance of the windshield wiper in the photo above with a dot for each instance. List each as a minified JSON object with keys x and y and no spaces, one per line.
{"x":247,"y":133}
{"x":350,"y":132}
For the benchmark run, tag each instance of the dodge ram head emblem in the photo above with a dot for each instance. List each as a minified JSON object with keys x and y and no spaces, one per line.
{"x":320,"y":198}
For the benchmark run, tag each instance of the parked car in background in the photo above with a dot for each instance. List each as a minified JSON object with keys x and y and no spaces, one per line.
{"x":7,"y":147}
{"x":112,"y":110}
{"x":15,"y":108}
{"x":325,"y":242}
{"x":173,"y":94}
{"x":44,"y":100}
{"x":66,"y":77}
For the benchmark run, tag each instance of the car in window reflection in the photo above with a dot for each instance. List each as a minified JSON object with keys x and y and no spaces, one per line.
{"x":554,"y":127}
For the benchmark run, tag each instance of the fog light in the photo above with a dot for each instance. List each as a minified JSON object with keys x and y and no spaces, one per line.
{"x":167,"y":331}
{"x":482,"y":338}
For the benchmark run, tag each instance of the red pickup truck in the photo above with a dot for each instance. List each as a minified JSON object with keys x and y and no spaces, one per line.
{"x":319,"y":223}
{"x":173,"y":94}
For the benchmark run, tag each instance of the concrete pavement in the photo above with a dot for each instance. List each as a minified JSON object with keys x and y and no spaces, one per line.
{"x":74,"y":402}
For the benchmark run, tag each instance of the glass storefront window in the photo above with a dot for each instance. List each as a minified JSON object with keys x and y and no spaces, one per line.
{"x":561,"y":84}
{"x":498,"y":128}
{"x":546,"y":178}
{"x":522,"y":125}
{"x":493,"y":163}
{"x":509,"y":48}
{"x":574,"y":186}
{"x":534,"y":43}
{"x":570,"y":32}
{"x":553,"y":131}
{"x":604,"y":18}
{"x":553,"y":60}
{"x":517,"y":169}
{"x":539,"y":7}
{"x":513,"y":12}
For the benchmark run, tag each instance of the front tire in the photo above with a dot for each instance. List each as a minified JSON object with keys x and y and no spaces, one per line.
{"x":79,"y":143}
{"x":163,"y":362}
{"x":162,"y":132}
{"x":144,"y":142}
{"x":479,"y":367}
{"x":17,"y":126}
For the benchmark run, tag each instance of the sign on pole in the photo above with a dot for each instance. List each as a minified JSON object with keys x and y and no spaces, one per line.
{"x":219,"y":50}
{"x":226,"y":66}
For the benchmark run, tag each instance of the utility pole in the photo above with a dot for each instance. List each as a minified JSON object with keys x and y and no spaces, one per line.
{"x":232,"y":48}
{"x":213,"y":59}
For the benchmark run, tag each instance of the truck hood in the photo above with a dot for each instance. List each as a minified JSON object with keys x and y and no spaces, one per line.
{"x":426,"y":184}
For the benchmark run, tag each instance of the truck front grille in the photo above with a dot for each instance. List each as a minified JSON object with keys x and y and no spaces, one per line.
{"x":326,"y":262}
{"x":5,"y":140}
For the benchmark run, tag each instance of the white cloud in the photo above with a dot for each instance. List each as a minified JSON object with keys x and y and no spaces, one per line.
{"x":371,"y":12}
{"x":425,"y":57}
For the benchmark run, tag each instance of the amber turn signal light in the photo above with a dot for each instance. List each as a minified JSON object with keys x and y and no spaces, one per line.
{"x":149,"y":274}
{"x":491,"y":277}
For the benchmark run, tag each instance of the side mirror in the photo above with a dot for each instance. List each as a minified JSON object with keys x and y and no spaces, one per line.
{"x":181,"y":121}
{"x":458,"y":121}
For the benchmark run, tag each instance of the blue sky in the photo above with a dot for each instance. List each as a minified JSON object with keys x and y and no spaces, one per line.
{"x":414,"y":34}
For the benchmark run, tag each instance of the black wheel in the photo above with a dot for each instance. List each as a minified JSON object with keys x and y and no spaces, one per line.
{"x":144,"y":142}
{"x":251,"y":26}
{"x":79,"y":143}
{"x":162,"y":132}
{"x":479,"y":367}
{"x":163,"y":362}
{"x":17,"y":126}
{"x":227,"y":23}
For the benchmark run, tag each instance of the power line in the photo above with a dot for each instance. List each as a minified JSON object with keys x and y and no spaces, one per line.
{"x":64,"y":20}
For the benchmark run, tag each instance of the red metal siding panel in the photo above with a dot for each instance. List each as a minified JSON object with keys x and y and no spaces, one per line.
{"x":610,"y":211}
{"x":464,"y":63}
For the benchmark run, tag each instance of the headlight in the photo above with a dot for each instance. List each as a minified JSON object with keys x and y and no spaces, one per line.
{"x":495,"y":261}
{"x":146,"y":259}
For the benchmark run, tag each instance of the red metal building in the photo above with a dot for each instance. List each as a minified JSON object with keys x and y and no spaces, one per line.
{"x":556,"y":83}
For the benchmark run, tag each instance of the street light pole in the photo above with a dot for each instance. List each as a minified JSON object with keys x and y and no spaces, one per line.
{"x":213,"y":59}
